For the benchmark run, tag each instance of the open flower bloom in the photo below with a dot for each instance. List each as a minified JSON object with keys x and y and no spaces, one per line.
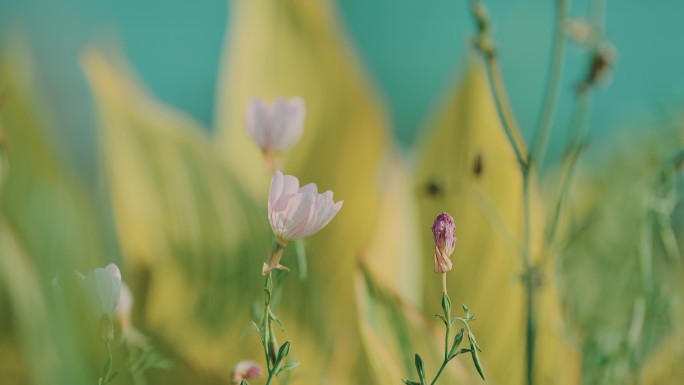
{"x":296,"y":213}
{"x":443,"y":233}
{"x":278,"y":127}
{"x":102,"y":288}
{"x":246,"y":370}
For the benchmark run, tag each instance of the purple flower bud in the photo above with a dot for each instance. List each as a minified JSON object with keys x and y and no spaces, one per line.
{"x":445,"y":241}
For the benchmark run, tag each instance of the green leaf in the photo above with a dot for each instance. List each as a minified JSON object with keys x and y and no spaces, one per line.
{"x":300,"y":250}
{"x":277,"y":320}
{"x":476,"y":359}
{"x":289,"y":366}
{"x":457,"y":341}
{"x":443,"y":319}
{"x":282,"y":354}
{"x":446,"y":306}
{"x":420,"y":369}
{"x":409,"y":382}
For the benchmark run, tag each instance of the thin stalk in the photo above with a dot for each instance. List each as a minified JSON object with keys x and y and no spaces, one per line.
{"x":530,"y":284}
{"x":570,"y":160}
{"x":530,"y":351}
{"x":270,"y":378}
{"x":504,"y":109}
{"x":269,"y":327}
{"x":439,"y":373}
{"x":447,"y":333}
{"x":555,"y":76}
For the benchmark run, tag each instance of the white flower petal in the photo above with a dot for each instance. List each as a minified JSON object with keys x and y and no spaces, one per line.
{"x":299,"y":217}
{"x":287,"y":122}
{"x":326,"y":210}
{"x":310,"y":188}
{"x":281,"y":185}
{"x":103,"y":289}
{"x":258,"y":122}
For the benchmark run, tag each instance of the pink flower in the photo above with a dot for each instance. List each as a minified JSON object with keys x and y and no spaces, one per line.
{"x":297,"y":213}
{"x":246,"y":370}
{"x":443,"y":233}
{"x":278,"y":127}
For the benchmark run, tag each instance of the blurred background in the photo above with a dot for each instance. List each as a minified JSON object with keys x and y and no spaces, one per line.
{"x":123,"y":142}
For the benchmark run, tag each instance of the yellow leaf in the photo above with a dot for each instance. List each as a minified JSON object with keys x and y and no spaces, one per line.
{"x":468,"y":169}
{"x":295,"y":48}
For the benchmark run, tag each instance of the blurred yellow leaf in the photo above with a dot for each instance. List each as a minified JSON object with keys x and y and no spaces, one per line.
{"x":468,"y":169}
{"x":295,"y":48}
{"x":180,"y":215}
{"x":48,"y":226}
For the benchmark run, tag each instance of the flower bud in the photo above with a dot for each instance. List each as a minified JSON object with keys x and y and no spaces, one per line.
{"x":443,"y":233}
{"x":246,"y":370}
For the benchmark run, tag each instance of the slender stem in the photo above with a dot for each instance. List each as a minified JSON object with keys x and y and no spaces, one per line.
{"x":266,"y":322}
{"x":530,"y":283}
{"x":109,"y":350}
{"x":551,"y":96}
{"x":447,"y":333}
{"x":530,"y":351}
{"x":504,"y":109}
{"x":446,"y":339}
{"x":439,"y":373}
{"x":270,"y":378}
{"x":570,"y":160}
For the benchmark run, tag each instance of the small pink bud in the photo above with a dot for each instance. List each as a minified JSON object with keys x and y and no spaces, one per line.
{"x":445,"y":241}
{"x":246,"y":370}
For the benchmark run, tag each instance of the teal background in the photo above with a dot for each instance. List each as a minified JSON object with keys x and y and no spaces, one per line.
{"x":413,"y":51}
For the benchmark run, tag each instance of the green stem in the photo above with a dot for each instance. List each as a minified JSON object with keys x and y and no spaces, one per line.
{"x":270,"y":378}
{"x":541,"y":138}
{"x":504,"y":109}
{"x":531,"y":329}
{"x":530,"y":283}
{"x":266,"y":319}
{"x":570,"y":160}
{"x":439,"y":373}
{"x":446,"y":340}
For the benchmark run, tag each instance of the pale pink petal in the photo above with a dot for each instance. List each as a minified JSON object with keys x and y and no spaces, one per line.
{"x":326,"y":210}
{"x":125,"y":305}
{"x":257,"y":123}
{"x":287,"y":122}
{"x":310,"y":188}
{"x":114,"y":270}
{"x":281,"y":185}
{"x":280,"y":211}
{"x":300,"y":217}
